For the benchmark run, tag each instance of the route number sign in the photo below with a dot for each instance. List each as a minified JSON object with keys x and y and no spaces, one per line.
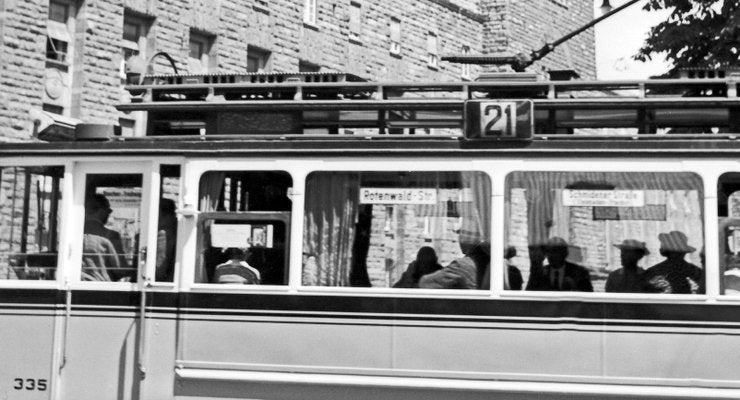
{"x":498,"y":119}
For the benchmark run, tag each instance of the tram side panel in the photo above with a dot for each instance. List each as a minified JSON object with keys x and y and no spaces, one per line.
{"x":27,"y":353}
{"x":231,"y":353}
{"x":103,"y":346}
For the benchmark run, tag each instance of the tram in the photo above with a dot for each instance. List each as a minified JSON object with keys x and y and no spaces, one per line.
{"x":254,"y":241}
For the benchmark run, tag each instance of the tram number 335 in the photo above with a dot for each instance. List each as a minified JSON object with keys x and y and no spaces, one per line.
{"x":498,"y":119}
{"x":29,"y":384}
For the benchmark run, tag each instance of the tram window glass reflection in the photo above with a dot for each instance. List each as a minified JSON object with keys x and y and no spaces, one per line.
{"x":30,"y":198}
{"x":728,"y":199}
{"x":635,"y":232}
{"x":244,"y":227}
{"x":112,"y":225}
{"x":395,"y":229}
{"x":167,"y":223}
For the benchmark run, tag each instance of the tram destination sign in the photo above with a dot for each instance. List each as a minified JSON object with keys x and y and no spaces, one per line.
{"x":603,"y":198}
{"x":499,"y":119}
{"x":397,"y":196}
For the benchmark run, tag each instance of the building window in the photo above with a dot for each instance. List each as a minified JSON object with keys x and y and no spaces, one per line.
{"x":135,"y":31}
{"x":465,"y":68}
{"x":59,"y":28}
{"x":135,"y":43}
{"x":305,"y":66}
{"x":355,"y":21}
{"x":395,"y":36}
{"x":199,"y":55}
{"x":433,"y":55}
{"x":309,"y":12}
{"x":257,"y":59}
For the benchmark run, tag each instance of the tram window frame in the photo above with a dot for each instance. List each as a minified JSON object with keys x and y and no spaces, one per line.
{"x":698,"y":239}
{"x":165,"y":269}
{"x":728,"y":233}
{"x":265,"y":218}
{"x":57,"y":189}
{"x":311,"y":279}
{"x":114,"y":255}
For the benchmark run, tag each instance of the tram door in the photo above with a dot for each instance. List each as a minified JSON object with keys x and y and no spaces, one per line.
{"x":102,"y":337}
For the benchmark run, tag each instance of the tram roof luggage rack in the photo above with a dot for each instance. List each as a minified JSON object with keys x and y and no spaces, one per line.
{"x":336,"y":103}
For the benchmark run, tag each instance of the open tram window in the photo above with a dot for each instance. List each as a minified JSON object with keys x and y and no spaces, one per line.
{"x":631,"y":232}
{"x":112,"y":226}
{"x":728,"y":199}
{"x":395,"y":229}
{"x":244,"y":227}
{"x":30,"y":199}
{"x":167,"y":223}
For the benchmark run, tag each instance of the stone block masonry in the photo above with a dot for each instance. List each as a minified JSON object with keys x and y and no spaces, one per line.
{"x":92,"y":77}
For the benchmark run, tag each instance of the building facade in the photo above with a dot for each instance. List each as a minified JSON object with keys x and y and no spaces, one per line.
{"x":65,"y":61}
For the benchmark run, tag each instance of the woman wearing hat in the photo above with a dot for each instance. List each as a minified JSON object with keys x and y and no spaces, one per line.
{"x":674,"y":274}
{"x":630,"y":278}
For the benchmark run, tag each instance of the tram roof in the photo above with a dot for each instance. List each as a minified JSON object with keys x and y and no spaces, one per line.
{"x":316,"y":110}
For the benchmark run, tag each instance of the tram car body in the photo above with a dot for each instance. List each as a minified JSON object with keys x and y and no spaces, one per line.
{"x":263,"y":241}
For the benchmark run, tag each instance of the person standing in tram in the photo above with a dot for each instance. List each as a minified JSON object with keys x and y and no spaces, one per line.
{"x":630,"y":278}
{"x":103,"y":255}
{"x":513,"y":279}
{"x":559,"y":274}
{"x":166,"y":240}
{"x":675,"y":274}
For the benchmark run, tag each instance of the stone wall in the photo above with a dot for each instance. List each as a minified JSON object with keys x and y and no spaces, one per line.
{"x":484,"y":26}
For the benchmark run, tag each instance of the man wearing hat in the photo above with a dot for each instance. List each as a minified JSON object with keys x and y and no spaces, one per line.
{"x":630,"y":278}
{"x":559,"y":274}
{"x":674,"y":274}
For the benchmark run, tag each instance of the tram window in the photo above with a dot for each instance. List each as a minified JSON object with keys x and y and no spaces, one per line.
{"x":167,"y":223}
{"x":112,"y":223}
{"x":728,"y":198}
{"x":394,"y":229}
{"x":244,"y":227}
{"x":634,"y":232}
{"x":30,"y":198}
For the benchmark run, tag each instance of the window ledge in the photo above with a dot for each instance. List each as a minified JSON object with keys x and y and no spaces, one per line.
{"x":260,"y":9}
{"x":396,"y":54}
{"x":356,"y":41}
{"x":62,"y":65}
{"x":433,"y":67}
{"x":310,"y":26}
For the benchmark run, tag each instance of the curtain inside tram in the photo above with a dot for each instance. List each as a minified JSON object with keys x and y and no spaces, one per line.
{"x":211,"y":189}
{"x":330,"y":226}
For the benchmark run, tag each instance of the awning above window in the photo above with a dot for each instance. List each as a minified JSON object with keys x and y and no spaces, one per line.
{"x":59,"y":31}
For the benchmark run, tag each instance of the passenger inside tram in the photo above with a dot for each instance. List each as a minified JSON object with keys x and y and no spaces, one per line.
{"x":630,"y":278}
{"x":166,"y":241}
{"x":675,"y":274}
{"x":103,"y":256}
{"x":513,"y":278}
{"x":466,"y":272}
{"x":236,"y":270}
{"x":559,"y":274}
{"x":425,"y":263}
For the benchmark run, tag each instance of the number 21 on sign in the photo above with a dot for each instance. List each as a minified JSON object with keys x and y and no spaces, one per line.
{"x":498,"y":119}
